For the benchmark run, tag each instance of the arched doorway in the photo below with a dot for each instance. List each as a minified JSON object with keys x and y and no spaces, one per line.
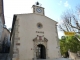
{"x":41,"y":52}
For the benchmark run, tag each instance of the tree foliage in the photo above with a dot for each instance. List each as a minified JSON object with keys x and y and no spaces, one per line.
{"x":71,"y":20}
{"x":69,"y":43}
{"x":70,"y":23}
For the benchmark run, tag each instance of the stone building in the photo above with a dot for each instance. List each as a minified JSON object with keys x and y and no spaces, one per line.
{"x":2,"y":21}
{"x":4,"y":32}
{"x":74,"y":56}
{"x":34,"y":36}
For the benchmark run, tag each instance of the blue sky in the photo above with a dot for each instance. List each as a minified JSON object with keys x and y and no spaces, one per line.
{"x":53,"y":8}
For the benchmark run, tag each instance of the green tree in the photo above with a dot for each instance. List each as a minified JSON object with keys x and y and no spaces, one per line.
{"x":69,"y":42}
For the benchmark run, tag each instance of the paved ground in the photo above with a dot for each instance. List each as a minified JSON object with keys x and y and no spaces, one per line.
{"x":3,"y":56}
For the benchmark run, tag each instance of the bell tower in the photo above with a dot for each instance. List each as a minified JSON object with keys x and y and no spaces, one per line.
{"x":37,"y":9}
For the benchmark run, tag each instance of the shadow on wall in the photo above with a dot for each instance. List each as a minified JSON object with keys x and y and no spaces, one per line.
{"x":5,"y":41}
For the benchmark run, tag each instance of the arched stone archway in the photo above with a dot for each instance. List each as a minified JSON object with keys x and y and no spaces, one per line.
{"x":41,"y":52}
{"x":40,"y":48}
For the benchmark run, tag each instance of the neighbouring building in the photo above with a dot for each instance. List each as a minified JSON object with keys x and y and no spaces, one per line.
{"x":34,"y":36}
{"x":2,"y":21}
{"x":74,"y":56}
{"x":4,"y":32}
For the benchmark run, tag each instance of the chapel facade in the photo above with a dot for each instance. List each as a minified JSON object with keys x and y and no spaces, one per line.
{"x":34,"y":36}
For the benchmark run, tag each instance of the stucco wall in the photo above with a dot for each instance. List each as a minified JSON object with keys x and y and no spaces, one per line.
{"x":27,"y":32}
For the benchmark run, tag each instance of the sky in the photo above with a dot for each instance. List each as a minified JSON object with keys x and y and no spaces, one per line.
{"x":53,"y":9}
